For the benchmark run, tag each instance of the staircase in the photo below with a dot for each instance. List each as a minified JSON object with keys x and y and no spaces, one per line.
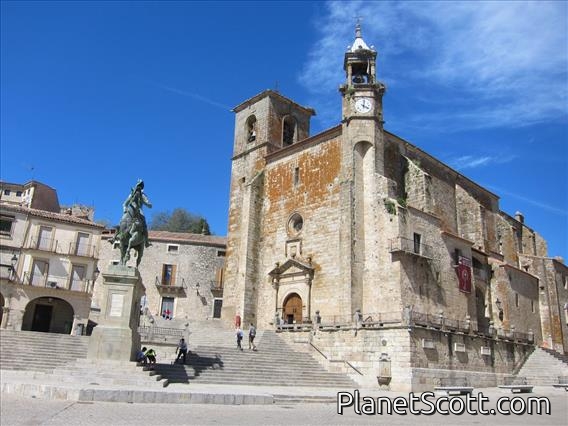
{"x":544,"y":366}
{"x":35,"y":351}
{"x":215,"y":359}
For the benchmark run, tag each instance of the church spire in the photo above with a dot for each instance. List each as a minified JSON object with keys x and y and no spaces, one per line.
{"x":359,"y":43}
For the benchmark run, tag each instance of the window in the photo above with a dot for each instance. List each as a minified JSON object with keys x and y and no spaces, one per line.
{"x":82,"y":244}
{"x":295,"y":224}
{"x":116,"y":245}
{"x":532,"y":306}
{"x":78,"y":278}
{"x":417,"y":238}
{"x":296,"y":176}
{"x":251,"y":129}
{"x":115,"y":262}
{"x":288,"y":131}
{"x":39,"y":273}
{"x":173,"y":248}
{"x":517,"y":300}
{"x":221,"y":253}
{"x":168,"y":274}
{"x":6,"y":192}
{"x":6,"y":223}
{"x":44,"y":238}
{"x":18,"y":193}
{"x":168,"y":307}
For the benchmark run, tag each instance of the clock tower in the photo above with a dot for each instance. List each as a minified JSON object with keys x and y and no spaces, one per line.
{"x":362,"y":171}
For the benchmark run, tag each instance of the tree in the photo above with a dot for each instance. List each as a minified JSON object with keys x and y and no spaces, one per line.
{"x":180,"y":220}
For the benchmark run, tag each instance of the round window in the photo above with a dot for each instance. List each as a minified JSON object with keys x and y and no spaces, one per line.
{"x":295,"y":224}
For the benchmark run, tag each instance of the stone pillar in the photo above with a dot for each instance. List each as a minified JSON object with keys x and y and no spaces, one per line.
{"x":116,"y":336}
{"x":5,"y":314}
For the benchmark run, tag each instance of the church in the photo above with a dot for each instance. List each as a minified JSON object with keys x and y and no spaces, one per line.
{"x":387,"y":253}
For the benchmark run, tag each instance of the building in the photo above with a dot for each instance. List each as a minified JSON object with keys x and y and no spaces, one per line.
{"x":182,"y":273}
{"x":48,"y":261}
{"x":357,"y":225}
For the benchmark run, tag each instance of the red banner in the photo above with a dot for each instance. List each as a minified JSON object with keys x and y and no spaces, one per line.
{"x":464,"y":274}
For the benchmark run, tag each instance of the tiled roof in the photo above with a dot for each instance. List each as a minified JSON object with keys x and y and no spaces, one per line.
{"x":6,"y":207}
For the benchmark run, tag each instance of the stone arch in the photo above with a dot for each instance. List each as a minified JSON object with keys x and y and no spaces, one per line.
{"x":48,"y":314}
{"x":250,"y":128}
{"x":288,"y":130}
{"x":292,"y":308}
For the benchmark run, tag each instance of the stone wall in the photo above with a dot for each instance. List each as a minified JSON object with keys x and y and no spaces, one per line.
{"x":195,"y":261}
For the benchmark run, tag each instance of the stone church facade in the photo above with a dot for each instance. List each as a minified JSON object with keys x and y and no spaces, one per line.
{"x":356,"y":225}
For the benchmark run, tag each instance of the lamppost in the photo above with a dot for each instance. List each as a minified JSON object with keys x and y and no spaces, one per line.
{"x":197,"y":288}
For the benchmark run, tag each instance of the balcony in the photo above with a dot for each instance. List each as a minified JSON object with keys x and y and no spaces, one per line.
{"x":409,"y":246}
{"x":54,"y":246}
{"x":56,"y":282}
{"x":43,"y":244}
{"x":82,"y":249}
{"x":169,"y":287}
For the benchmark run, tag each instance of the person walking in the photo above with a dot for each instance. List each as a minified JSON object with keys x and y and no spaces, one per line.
{"x":252,"y":335}
{"x":181,"y":350}
{"x":240,"y":336}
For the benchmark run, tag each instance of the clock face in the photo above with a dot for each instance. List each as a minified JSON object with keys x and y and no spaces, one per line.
{"x":363,"y":105}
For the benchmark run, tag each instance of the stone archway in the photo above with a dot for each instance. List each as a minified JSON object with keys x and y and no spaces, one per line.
{"x":292,"y":309}
{"x":49,"y":315}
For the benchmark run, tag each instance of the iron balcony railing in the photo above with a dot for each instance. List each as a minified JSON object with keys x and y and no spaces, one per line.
{"x":163,"y":284}
{"x":54,"y":246}
{"x":57,"y":282}
{"x":82,"y":249}
{"x":407,"y":245}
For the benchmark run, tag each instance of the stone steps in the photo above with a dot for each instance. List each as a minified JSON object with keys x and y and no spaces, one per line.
{"x":274,"y":364}
{"x":543,"y":368}
{"x":30,"y":350}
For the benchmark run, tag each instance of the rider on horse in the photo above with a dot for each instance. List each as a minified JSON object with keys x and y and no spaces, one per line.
{"x":133,"y":206}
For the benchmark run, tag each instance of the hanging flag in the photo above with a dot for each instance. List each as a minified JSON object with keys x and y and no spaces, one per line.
{"x":464,"y":274}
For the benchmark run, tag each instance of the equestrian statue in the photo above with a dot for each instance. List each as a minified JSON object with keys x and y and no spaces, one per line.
{"x":132,"y":232}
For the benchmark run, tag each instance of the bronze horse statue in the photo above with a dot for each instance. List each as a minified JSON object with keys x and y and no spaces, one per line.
{"x":132,"y":232}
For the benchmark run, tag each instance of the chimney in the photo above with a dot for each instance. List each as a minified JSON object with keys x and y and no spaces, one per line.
{"x":520,"y":217}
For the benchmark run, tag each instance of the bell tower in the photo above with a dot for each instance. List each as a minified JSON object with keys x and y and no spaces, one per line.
{"x":363,"y":181}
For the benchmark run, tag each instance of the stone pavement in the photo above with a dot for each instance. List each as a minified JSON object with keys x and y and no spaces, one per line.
{"x":18,"y":410}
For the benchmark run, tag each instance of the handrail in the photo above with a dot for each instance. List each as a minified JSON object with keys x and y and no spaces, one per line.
{"x":317,"y":349}
{"x":353,"y":367}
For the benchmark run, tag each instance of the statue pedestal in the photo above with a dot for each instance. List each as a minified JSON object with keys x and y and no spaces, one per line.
{"x":116,"y":336}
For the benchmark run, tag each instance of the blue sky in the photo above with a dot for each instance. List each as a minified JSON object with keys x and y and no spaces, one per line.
{"x":97,"y":94}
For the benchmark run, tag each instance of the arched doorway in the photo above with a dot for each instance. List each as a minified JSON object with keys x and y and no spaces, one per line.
{"x":49,"y":315}
{"x":292,"y":309}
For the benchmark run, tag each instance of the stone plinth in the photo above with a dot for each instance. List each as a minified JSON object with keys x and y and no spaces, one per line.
{"x":116,"y":336}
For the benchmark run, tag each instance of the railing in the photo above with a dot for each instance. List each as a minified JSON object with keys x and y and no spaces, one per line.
{"x":57,"y":282}
{"x":169,"y":286}
{"x":81,"y":249}
{"x":54,"y":246}
{"x":44,"y":244}
{"x":407,"y":318}
{"x":410,"y":246}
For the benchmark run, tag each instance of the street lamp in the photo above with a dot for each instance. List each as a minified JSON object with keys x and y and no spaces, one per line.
{"x":96,"y":273}
{"x":12,"y":267}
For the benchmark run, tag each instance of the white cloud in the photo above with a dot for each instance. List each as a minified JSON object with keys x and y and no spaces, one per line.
{"x":471,"y":161}
{"x":501,"y":63}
